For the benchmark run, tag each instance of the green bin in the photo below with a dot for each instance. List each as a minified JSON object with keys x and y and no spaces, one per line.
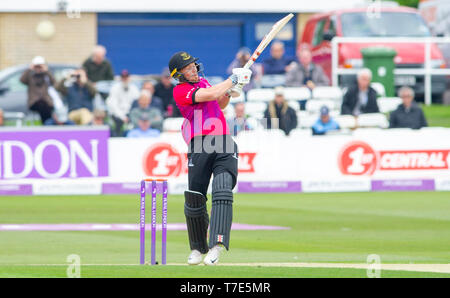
{"x":380,"y":60}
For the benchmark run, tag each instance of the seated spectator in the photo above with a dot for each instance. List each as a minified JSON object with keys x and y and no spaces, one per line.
{"x":79,"y":94}
{"x":239,"y":122}
{"x":38,"y":80}
{"x":59,"y":117}
{"x":241,"y":59}
{"x":97,"y":67}
{"x":119,"y":102}
{"x":361,"y":98}
{"x":99,"y":117}
{"x":279,"y":114}
{"x":164,"y":90}
{"x":143,"y":130}
{"x":325,"y":123}
{"x":2,"y":118}
{"x":144,"y":106}
{"x":156,"y":101}
{"x":277,"y":63}
{"x":305,"y":73}
{"x":408,"y":114}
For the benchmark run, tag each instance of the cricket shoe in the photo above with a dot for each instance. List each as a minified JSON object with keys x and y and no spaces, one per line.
{"x":195,"y":257}
{"x":212,"y":258}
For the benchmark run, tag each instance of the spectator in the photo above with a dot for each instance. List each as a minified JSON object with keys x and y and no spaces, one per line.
{"x":38,"y":79}
{"x":408,"y":114}
{"x":277,"y":63}
{"x":279,"y":114}
{"x":305,"y":73}
{"x":97,"y":67}
{"x":143,"y":130}
{"x":2,"y":118}
{"x":241,"y":59}
{"x":119,"y":102}
{"x":144,"y":106}
{"x":79,"y":93}
{"x":164,"y":90}
{"x":361,"y":98}
{"x":59,"y":117}
{"x":325,"y":123}
{"x":156,"y":101}
{"x":240,"y":121}
{"x":98,"y":117}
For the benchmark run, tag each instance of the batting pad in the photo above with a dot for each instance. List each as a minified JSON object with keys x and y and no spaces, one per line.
{"x":222,"y":210}
{"x":197,"y":220}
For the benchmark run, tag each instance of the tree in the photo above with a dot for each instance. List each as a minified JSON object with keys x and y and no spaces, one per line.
{"x":411,"y":3}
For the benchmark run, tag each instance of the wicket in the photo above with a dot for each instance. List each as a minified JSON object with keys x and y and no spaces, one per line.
{"x":153,"y":222}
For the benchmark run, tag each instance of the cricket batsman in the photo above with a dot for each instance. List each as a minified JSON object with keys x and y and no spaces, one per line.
{"x":211,"y":152}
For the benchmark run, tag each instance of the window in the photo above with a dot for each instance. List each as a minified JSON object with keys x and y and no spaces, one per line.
{"x":388,"y":24}
{"x":14,"y":84}
{"x":318,"y":32}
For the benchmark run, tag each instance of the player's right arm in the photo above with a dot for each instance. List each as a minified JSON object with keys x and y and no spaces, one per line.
{"x":213,"y":93}
{"x":216,"y":92}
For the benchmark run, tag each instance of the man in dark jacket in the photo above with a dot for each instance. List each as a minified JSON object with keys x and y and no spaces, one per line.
{"x":97,"y":67}
{"x":361,"y":98}
{"x":408,"y":114}
{"x":38,"y":80}
{"x":277,"y":62}
{"x":79,"y":94}
{"x":164,"y":90}
{"x":279,"y":114}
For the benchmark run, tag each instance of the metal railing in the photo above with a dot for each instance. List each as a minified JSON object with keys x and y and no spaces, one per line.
{"x":427,"y":70}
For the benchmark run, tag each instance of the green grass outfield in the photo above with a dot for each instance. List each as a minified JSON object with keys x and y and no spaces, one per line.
{"x":402,"y":228}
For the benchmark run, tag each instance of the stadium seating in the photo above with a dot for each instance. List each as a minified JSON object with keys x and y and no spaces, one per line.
{"x":327,"y":92}
{"x":296,"y":93}
{"x":388,"y":104}
{"x":261,"y":94}
{"x":272,"y":81}
{"x":307,"y":121}
{"x":372,"y":120}
{"x":379,"y":88}
{"x":314,"y":105}
{"x":172,"y":124}
{"x":294,"y":104}
{"x":346,"y":121}
{"x":255,"y":109}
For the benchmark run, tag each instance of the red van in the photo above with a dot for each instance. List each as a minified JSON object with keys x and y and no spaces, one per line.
{"x":385,"y":22}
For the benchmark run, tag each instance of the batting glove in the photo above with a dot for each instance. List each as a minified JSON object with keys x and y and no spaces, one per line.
{"x":236,"y":90}
{"x":241,"y":76}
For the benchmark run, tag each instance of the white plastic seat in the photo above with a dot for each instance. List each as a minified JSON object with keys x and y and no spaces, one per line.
{"x":372,"y":120}
{"x":297,"y":93}
{"x":314,"y":105}
{"x":307,"y":121}
{"x":388,"y":104}
{"x":261,"y":94}
{"x":346,"y":121}
{"x":327,"y":92}
{"x":294,"y":104}
{"x":255,"y":108}
{"x":379,"y":88}
{"x":172,"y":124}
{"x":272,"y":81}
